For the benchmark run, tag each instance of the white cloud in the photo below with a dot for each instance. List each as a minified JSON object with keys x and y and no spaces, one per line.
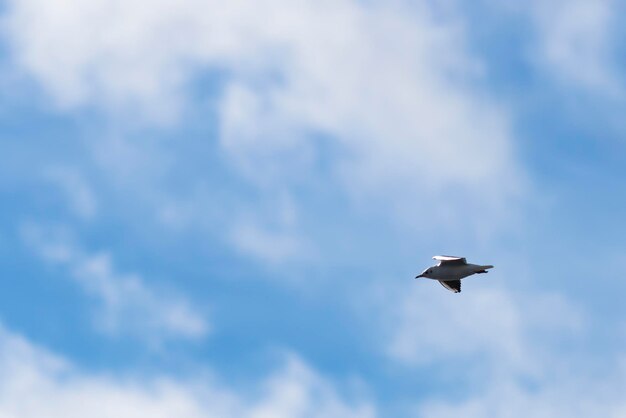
{"x":502,"y":353}
{"x":300,"y":392}
{"x":389,"y":84}
{"x":575,"y":43}
{"x":271,"y":246}
{"x":568,"y":396}
{"x":36,"y":383}
{"x":271,"y":233}
{"x":126,"y":301}
{"x":490,"y":331}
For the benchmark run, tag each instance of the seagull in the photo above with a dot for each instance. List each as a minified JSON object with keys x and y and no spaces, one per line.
{"x":451,"y":270}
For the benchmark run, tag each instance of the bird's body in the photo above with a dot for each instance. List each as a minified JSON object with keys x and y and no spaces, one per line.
{"x":451,"y":270}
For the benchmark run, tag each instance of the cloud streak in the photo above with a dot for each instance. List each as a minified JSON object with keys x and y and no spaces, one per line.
{"x":492,"y":327}
{"x":388,"y":89}
{"x":575,"y":44}
{"x":127,"y":303}
{"x":36,"y":383}
{"x":506,"y":353}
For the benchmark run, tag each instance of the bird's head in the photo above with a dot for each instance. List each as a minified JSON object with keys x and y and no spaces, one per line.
{"x":426,"y":273}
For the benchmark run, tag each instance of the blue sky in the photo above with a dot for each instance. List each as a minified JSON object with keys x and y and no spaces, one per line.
{"x":217,"y":210}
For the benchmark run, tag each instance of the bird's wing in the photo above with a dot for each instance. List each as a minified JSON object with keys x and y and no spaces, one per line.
{"x":450,"y":260}
{"x":452,"y":285}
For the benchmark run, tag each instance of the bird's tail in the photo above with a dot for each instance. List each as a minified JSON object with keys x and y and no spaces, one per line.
{"x":483,"y":269}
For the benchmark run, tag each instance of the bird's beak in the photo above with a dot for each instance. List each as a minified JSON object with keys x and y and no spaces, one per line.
{"x":421,"y":275}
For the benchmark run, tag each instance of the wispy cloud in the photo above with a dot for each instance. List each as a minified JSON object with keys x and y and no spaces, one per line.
{"x":570,"y":392}
{"x":37,"y":383}
{"x":270,"y":246}
{"x":127,"y":303}
{"x":491,"y":326}
{"x":513,"y":349}
{"x":271,"y":233}
{"x":389,"y":87}
{"x":576,"y":44}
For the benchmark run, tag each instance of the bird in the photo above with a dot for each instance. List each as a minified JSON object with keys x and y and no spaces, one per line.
{"x":451,"y":270}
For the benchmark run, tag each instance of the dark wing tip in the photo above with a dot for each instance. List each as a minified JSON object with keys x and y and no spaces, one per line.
{"x":452,"y":285}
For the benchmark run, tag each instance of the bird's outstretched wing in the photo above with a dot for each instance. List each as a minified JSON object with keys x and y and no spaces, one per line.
{"x":449,"y":260}
{"x":452,"y":285}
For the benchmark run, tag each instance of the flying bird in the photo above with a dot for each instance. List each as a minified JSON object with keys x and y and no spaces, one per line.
{"x":451,"y":270}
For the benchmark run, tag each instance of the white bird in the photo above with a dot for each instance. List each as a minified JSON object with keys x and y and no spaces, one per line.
{"x":451,"y":270}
